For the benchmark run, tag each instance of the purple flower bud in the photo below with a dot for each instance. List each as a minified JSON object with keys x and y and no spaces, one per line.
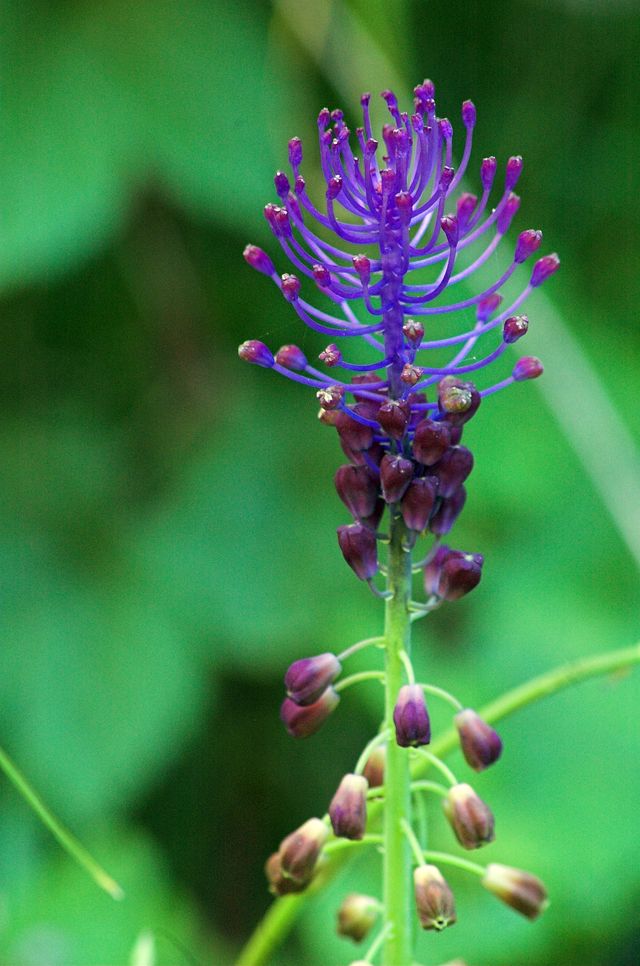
{"x":295,"y":152}
{"x":330,"y":397}
{"x":404,"y":201}
{"x":282,"y":185}
{"x":291,"y":357}
{"x":529,"y":367}
{"x":374,"y":769}
{"x":431,"y":441}
{"x":322,"y":276}
{"x":331,"y":356}
{"x":481,"y":745}
{"x":410,"y":374}
{"x":334,"y":187}
{"x":300,"y":851}
{"x":448,"y":512}
{"x":465,"y":206}
{"x":290,"y":287}
{"x":417,"y":503}
{"x":393,"y":416}
{"x":395,"y":475}
{"x":357,"y":490}
{"x":356,"y":435}
{"x":468,"y":113}
{"x":362,"y":266}
{"x":434,"y":899}
{"x":514,"y":328}
{"x":279,"y":884}
{"x":446,"y":178}
{"x":357,"y":916}
{"x":449,"y":225}
{"x":470,"y":818}
{"x":446,"y":128}
{"x":256,"y":352}
{"x":453,"y":469}
{"x":543,"y":269}
{"x":529,"y":241}
{"x":487,"y":306}
{"x":348,"y":808}
{"x":488,"y":172}
{"x":514,"y":170}
{"x":359,"y":549}
{"x":308,"y":678}
{"x":460,"y":573}
{"x":413,"y":331}
{"x":433,"y":569}
{"x":258,"y":259}
{"x":304,"y":720}
{"x":411,"y":718}
{"x":522,"y":891}
{"x":508,"y":213}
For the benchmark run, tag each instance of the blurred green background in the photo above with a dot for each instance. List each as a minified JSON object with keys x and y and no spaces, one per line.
{"x":168,"y":515}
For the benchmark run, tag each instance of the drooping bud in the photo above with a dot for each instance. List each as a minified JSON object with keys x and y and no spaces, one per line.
{"x":256,"y":352}
{"x":543,"y":269}
{"x":374,"y":769}
{"x":413,"y":331}
{"x":291,"y":357}
{"x":460,"y":573}
{"x":395,"y":475}
{"x":356,"y":435}
{"x":470,"y":818}
{"x":529,"y":367}
{"x":430,"y":442}
{"x":357,"y":916}
{"x":280,"y":884}
{"x":359,"y":549}
{"x":258,"y":259}
{"x":418,"y":502}
{"x":301,"y":721}
{"x":514,"y":328}
{"x":410,"y":374}
{"x":307,"y":678}
{"x":357,"y":490}
{"x":330,"y":397}
{"x":448,"y":512}
{"x":529,"y":241}
{"x":394,"y":416}
{"x":453,"y":469}
{"x":299,"y":851}
{"x":348,"y":808}
{"x":434,"y":899}
{"x":331,"y":356}
{"x":481,"y":745}
{"x":522,"y":891}
{"x":411,"y":718}
{"x":433,"y":569}
{"x":290,"y":286}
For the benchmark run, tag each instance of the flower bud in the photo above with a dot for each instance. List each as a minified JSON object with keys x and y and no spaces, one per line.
{"x":468,"y":113}
{"x":488,"y":172}
{"x":448,"y":512}
{"x":295,"y":152}
{"x":308,"y":678}
{"x":291,"y":357}
{"x":514,"y":328}
{"x":460,"y":573}
{"x":514,"y":170}
{"x":357,"y":490}
{"x":527,"y":368}
{"x":331,"y":356}
{"x":348,"y":808}
{"x":543,"y":269}
{"x":304,"y":720}
{"x":522,"y":891}
{"x":356,"y":435}
{"x":258,"y":259}
{"x":373,"y":771}
{"x":290,"y":286}
{"x":453,"y":469}
{"x":413,"y":331}
{"x":431,"y":441}
{"x":417,"y":503}
{"x":434,"y":899}
{"x":256,"y":352}
{"x":410,"y":374}
{"x":362,"y":266}
{"x":458,"y":400}
{"x":359,"y":549}
{"x":465,"y":207}
{"x":394,"y":416}
{"x":411,"y":718}
{"x":279,"y":884}
{"x":282,"y":185}
{"x":299,"y":851}
{"x":357,"y":916}
{"x":395,"y":475}
{"x":529,"y":241}
{"x":331,"y":397}
{"x":470,"y":818}
{"x":481,"y":745}
{"x":321,"y":275}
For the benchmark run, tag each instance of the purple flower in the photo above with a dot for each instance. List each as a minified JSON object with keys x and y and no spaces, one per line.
{"x":304,"y":720}
{"x":481,"y":745}
{"x":348,"y":808}
{"x":470,"y":818}
{"x":411,"y":718}
{"x":308,"y":678}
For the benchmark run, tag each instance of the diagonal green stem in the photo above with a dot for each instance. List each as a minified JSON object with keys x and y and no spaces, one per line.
{"x":68,"y":841}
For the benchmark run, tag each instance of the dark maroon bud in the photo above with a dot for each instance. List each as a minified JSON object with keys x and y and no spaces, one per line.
{"x":395,"y":475}
{"x":282,"y":185}
{"x":417,"y":503}
{"x":460,"y":574}
{"x":300,"y":851}
{"x":334,"y":187}
{"x":508,"y":213}
{"x":374,"y":769}
{"x":256,"y":352}
{"x":411,"y":717}
{"x":322,"y":276}
{"x":527,"y":368}
{"x":470,"y":818}
{"x":413,"y":331}
{"x":544,"y":268}
{"x":481,"y":745}
{"x":522,"y":891}
{"x":357,"y":916}
{"x":304,"y":720}
{"x":410,"y":374}
{"x":433,"y":569}
{"x":487,"y":306}
{"x":290,"y":287}
{"x":456,"y":433}
{"x":431,"y":441}
{"x":445,"y":179}
{"x":356,"y":435}
{"x":434,"y":899}
{"x":295,"y":152}
{"x":308,"y":678}
{"x":357,"y":490}
{"x":465,"y":207}
{"x":393,"y":416}
{"x":372,"y":522}
{"x":348,"y":809}
{"x":388,"y":179}
{"x":468,"y":113}
{"x":449,"y":225}
{"x":359,"y":549}
{"x":330,"y":397}
{"x":291,"y":357}
{"x":404,"y":201}
{"x":447,"y":513}
{"x":331,"y":356}
{"x":258,"y":259}
{"x":488,"y":172}
{"x":514,"y":170}
{"x":514,"y":328}
{"x":279,"y":884}
{"x":362,"y":266}
{"x":529,"y":241}
{"x":453,"y":469}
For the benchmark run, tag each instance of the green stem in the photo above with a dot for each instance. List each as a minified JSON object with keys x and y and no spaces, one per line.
{"x":68,"y":841}
{"x":397,"y":949}
{"x":357,"y":678}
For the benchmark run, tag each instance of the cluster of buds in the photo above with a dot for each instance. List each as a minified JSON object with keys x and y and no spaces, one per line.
{"x":310,"y":695}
